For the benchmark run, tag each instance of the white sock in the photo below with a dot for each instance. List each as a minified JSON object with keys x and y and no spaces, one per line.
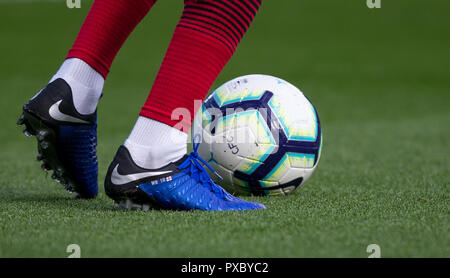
{"x":86,"y":84}
{"x":153,"y":144}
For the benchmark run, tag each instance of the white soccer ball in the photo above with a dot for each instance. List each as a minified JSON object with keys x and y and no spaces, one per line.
{"x":261,"y":134}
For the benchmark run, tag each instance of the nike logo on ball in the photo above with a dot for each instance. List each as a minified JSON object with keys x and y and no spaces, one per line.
{"x":56,"y":114}
{"x":119,"y":179}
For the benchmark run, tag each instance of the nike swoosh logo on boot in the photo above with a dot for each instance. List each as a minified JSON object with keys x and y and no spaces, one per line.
{"x":119,"y":179}
{"x":56,"y":114}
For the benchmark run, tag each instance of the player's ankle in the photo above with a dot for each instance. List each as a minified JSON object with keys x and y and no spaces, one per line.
{"x":153,"y":144}
{"x":86,"y":84}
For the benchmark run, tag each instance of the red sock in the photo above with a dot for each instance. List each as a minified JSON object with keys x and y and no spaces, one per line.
{"x":204,"y":40}
{"x":105,"y":29}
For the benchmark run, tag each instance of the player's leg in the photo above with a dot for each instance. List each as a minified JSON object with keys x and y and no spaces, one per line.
{"x":63,"y":115}
{"x":152,"y":166}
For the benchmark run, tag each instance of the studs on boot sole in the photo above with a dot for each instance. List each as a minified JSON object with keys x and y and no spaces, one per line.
{"x":27,"y":133}
{"x":45,"y":167}
{"x":21,"y":120}
{"x":46,"y":151}
{"x":59,"y":172}
{"x":55,"y":177}
{"x":69,"y":186}
{"x":43,"y":145}
{"x":41,"y":135}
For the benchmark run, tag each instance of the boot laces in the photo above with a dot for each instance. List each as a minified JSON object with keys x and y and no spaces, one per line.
{"x":194,"y":166}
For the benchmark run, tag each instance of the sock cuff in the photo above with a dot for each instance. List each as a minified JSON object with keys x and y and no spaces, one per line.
{"x":153,"y":144}
{"x":90,"y":59}
{"x":149,"y":132}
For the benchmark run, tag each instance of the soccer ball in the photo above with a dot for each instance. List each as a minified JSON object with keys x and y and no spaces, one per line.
{"x":260,"y":134}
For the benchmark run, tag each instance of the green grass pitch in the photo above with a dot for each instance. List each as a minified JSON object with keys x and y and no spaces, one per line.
{"x":378,"y":77}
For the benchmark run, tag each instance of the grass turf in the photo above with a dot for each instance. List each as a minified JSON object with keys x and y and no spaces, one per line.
{"x":379,"y":79}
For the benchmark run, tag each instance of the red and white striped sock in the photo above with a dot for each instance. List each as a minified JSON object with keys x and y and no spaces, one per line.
{"x":203,"y":42}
